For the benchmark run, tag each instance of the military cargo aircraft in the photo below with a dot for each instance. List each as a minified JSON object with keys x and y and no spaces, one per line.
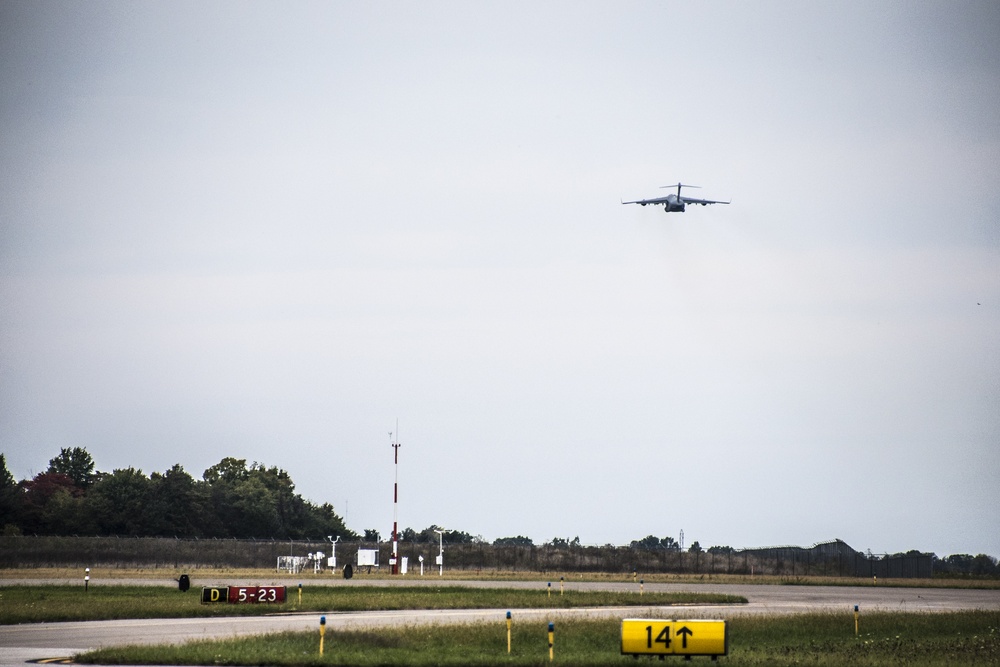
{"x":675,"y":203}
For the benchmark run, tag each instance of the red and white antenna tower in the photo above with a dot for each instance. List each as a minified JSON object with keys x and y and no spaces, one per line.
{"x":394,"y":561}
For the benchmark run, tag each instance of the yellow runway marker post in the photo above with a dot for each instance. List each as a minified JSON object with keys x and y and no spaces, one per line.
{"x":552,"y":632}
{"x":322,"y":631}
{"x":508,"y":632}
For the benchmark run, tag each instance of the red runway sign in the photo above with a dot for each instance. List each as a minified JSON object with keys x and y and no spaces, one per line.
{"x":256,"y":594}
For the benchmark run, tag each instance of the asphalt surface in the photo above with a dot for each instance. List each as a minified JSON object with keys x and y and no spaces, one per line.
{"x":21,"y":643}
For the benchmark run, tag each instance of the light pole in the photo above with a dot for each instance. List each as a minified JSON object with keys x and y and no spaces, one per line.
{"x":440,"y":557}
{"x":333,"y":550}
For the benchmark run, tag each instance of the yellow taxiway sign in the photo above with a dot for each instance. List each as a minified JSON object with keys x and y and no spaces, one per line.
{"x":646,"y":636}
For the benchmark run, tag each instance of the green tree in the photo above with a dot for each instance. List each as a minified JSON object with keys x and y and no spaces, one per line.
{"x":10,"y":500}
{"x":460,"y":537}
{"x":290,"y":508}
{"x":519,"y":541}
{"x":429,"y":535}
{"x":7,"y":480}
{"x":228,"y":470}
{"x":175,"y":508}
{"x":695,"y":548}
{"x":959,"y":563}
{"x":648,"y":543}
{"x":38,"y":492}
{"x":255,"y":508}
{"x":75,"y":463}
{"x":565,"y":543}
{"x":260,"y":501}
{"x":720,"y":550}
{"x":118,"y":502}
{"x":654,"y":543}
{"x":66,"y":513}
{"x":323,"y":520}
{"x":983,"y":564}
{"x":237,"y":511}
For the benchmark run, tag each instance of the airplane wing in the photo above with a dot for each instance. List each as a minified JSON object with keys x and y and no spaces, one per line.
{"x":643,"y":202}
{"x":703,"y":202}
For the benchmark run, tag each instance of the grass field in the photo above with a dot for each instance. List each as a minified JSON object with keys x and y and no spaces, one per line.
{"x":216,"y":575}
{"x":960,"y":638}
{"x":28,"y":604}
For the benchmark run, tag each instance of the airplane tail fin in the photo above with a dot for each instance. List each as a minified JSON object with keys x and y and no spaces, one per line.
{"x":679,"y":186}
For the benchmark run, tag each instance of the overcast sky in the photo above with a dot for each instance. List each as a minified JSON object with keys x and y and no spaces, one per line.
{"x":270,"y":230}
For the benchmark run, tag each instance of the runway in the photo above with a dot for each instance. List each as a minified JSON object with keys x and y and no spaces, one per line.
{"x":21,"y":643}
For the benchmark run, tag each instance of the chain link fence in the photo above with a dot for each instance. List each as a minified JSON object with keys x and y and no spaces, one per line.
{"x":835,"y":559}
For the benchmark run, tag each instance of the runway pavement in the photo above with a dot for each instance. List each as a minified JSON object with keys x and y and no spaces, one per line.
{"x":20,"y":643}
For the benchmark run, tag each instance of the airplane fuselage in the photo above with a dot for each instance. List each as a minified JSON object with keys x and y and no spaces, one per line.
{"x":670,"y":204}
{"x":673,"y":205}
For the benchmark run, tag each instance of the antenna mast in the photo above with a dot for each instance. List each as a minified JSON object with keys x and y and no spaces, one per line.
{"x":394,"y":561}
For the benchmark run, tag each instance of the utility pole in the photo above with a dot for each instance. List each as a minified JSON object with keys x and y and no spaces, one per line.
{"x":394,"y":561}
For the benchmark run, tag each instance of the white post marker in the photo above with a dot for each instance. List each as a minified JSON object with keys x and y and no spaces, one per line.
{"x":440,"y":556}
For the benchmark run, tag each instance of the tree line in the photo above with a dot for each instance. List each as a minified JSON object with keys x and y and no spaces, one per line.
{"x":964,"y":565}
{"x":232,"y":499}
{"x":236,"y":500}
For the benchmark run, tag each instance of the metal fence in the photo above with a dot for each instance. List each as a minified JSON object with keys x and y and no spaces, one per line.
{"x":781,"y":561}
{"x":154,"y":552}
{"x":827,"y":559}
